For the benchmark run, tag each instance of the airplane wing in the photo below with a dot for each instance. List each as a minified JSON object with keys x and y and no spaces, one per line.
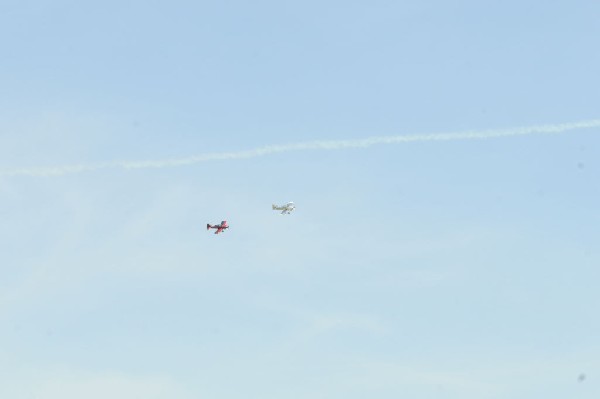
{"x":223,"y":224}
{"x":220,"y":229}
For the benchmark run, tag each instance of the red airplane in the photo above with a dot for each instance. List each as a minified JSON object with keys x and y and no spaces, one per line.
{"x":219,"y":227}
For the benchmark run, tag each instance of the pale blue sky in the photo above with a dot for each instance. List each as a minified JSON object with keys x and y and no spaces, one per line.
{"x":460,"y":269}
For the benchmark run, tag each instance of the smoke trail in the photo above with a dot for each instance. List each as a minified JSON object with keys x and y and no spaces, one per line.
{"x":304,"y":146}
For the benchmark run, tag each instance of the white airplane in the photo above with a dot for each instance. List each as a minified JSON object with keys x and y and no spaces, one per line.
{"x":285,"y":209}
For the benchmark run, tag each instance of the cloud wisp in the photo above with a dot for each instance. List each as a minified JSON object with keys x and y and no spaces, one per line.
{"x":302,"y":146}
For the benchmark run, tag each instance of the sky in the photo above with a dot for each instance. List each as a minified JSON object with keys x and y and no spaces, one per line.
{"x":462,"y":268}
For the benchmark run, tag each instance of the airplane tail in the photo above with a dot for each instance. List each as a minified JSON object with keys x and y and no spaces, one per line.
{"x":274,"y":206}
{"x":208,"y":226}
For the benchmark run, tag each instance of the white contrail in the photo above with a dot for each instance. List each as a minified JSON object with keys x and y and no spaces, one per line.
{"x":309,"y":145}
